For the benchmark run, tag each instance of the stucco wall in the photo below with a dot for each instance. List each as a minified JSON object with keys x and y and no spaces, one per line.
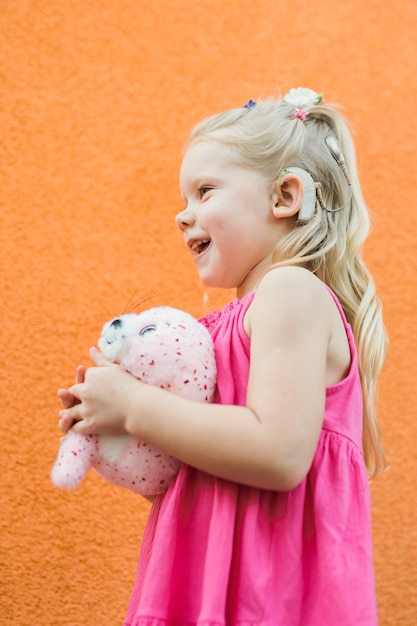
{"x":97,"y":97}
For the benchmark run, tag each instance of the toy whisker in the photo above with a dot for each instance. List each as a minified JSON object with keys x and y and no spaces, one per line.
{"x":132,"y":304}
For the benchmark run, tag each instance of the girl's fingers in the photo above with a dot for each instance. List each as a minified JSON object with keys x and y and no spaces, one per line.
{"x":98,"y":358}
{"x":87,"y":405}
{"x":67,"y":398}
{"x":67,"y":419}
{"x":71,"y":404}
{"x":80,"y":374}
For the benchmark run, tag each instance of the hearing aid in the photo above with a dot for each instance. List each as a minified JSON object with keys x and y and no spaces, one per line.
{"x":309,"y":187}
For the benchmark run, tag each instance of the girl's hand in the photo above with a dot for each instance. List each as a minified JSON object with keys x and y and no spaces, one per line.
{"x":97,"y":403}
{"x":67,"y":399}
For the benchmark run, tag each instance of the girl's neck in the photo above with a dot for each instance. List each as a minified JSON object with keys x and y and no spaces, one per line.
{"x":252,"y":278}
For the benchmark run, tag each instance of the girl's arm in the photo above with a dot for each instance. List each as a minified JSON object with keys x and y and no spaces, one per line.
{"x":270,"y":443}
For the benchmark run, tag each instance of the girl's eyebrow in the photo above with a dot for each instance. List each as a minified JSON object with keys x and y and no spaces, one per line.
{"x":208,"y":179}
{"x":204,"y":175}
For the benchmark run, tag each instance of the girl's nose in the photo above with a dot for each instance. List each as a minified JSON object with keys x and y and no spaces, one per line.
{"x":184,"y":219}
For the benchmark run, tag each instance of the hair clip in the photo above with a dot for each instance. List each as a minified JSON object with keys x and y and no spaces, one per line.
{"x":301,"y":114}
{"x":303,"y":98}
{"x":250,"y":104}
{"x":336,"y":152}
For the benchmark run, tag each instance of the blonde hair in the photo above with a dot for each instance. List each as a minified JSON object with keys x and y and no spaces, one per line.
{"x":268,"y":138}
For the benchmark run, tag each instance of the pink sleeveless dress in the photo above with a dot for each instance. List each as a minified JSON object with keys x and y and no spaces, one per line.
{"x":216,"y":553}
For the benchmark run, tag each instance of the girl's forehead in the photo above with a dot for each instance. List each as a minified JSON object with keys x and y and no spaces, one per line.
{"x":206,"y":156}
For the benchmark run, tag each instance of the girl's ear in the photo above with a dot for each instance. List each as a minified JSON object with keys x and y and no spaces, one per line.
{"x":287,"y":196}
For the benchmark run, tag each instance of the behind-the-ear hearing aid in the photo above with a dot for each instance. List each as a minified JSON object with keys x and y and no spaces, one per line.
{"x":309,"y":188}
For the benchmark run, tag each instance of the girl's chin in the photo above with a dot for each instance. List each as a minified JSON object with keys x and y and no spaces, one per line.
{"x":208,"y":279}
{"x":214,"y":282}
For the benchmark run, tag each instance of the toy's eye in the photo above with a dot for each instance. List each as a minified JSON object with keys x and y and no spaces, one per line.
{"x":147,"y":329}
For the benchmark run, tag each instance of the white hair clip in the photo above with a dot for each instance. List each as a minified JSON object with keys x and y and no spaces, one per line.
{"x":303,"y":98}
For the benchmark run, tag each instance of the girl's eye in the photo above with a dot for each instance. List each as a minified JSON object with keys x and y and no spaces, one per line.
{"x":203,"y":190}
{"x":147,"y":329}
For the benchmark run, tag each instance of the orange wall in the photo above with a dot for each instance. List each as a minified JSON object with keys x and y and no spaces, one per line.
{"x":96,"y":99}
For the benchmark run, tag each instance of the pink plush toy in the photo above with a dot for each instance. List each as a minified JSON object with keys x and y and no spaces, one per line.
{"x":163,"y":347}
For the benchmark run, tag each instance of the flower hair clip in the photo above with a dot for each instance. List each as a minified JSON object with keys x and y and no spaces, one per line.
{"x":250,"y":104}
{"x":303,"y":99}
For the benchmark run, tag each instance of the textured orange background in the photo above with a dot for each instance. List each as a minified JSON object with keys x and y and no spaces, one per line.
{"x":97,"y":98}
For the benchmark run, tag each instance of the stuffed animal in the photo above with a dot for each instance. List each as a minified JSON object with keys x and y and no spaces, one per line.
{"x":163,"y":347}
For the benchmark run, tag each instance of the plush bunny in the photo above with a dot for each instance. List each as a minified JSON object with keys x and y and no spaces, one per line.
{"x":163,"y":347}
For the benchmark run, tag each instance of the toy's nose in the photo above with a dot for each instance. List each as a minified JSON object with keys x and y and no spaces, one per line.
{"x":116,"y":323}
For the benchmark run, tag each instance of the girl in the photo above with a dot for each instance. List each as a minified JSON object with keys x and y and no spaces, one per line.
{"x":268,"y":522}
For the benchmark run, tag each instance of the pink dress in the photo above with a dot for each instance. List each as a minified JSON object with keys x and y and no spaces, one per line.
{"x":216,"y":553}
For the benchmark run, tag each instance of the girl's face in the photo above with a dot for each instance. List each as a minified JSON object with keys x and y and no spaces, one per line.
{"x":227,"y":222}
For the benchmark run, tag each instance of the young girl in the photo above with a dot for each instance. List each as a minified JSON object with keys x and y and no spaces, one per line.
{"x":268,"y":522}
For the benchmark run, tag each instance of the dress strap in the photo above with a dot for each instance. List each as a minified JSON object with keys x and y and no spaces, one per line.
{"x":348,"y":328}
{"x":338,"y":305}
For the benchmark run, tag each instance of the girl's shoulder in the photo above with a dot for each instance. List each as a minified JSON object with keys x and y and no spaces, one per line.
{"x":291,"y":278}
{"x":291,"y":292}
{"x":294,"y":308}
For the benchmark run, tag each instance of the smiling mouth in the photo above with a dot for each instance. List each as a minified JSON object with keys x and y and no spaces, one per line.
{"x":200,"y":246}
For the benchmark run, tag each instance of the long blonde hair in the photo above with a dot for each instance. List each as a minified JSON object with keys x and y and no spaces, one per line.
{"x":268,"y":138}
